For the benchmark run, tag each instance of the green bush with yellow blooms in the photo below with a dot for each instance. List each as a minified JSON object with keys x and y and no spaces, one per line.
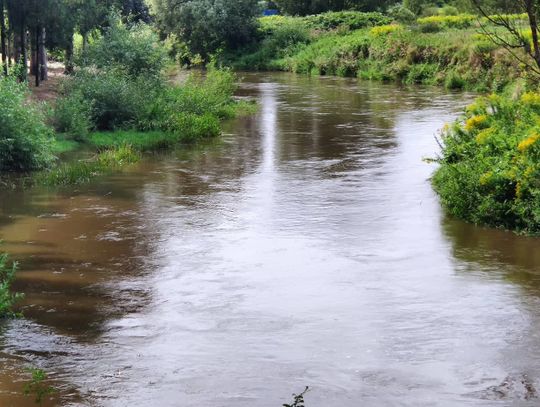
{"x":490,"y":165}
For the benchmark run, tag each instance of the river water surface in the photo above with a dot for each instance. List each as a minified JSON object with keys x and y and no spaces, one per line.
{"x":306,"y":248}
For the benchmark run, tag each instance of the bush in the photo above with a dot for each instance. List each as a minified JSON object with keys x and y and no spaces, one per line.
{"x":354,"y":20}
{"x":135,"y":49}
{"x":208,"y":26}
{"x":454,"y":81}
{"x":25,"y":139}
{"x":117,"y":100}
{"x":402,"y":14}
{"x":72,"y":116}
{"x":490,"y":164}
{"x":193,"y":110}
{"x":385,"y":30}
{"x":7,"y":298}
{"x":460,"y":21}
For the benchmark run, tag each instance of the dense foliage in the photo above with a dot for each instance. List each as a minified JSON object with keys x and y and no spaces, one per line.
{"x":133,"y":48}
{"x":207,"y":26}
{"x":490,"y":164}
{"x":25,"y":139}
{"x":306,"y":7}
{"x":455,"y":58}
{"x":7,"y":297}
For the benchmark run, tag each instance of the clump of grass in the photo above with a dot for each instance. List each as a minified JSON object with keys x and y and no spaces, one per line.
{"x":80,"y":172}
{"x":7,"y":298}
{"x":37,"y":386}
{"x":139,"y":140}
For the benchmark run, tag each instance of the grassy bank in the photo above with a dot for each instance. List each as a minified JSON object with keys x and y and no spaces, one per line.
{"x":438,"y":50}
{"x":117,"y":104}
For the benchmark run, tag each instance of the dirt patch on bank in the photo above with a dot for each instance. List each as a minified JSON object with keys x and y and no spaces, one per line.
{"x":48,"y":90}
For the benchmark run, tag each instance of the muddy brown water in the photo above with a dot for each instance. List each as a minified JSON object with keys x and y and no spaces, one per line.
{"x":306,"y":248}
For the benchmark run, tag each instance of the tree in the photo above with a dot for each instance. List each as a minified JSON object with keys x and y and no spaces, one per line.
{"x":515,"y":37}
{"x":305,"y":7}
{"x":208,"y":25}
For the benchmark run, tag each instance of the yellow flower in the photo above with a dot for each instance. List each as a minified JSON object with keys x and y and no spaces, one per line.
{"x":531,"y":98}
{"x":385,"y":29}
{"x":519,"y":190}
{"x":528,"y":142}
{"x":485,"y":178}
{"x":483,"y":135}
{"x":475,"y":122}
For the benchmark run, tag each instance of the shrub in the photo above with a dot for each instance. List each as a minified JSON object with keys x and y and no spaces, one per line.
{"x":25,"y":139}
{"x":207,"y":26}
{"x":193,"y":110}
{"x":449,"y":11}
{"x":402,"y":14}
{"x":354,"y":20}
{"x":385,"y":29}
{"x":7,"y":298}
{"x":117,"y":100}
{"x":460,"y":21}
{"x":454,"y":81}
{"x":490,"y":164}
{"x":72,"y":116}
{"x":135,"y":49}
{"x":430,"y":27}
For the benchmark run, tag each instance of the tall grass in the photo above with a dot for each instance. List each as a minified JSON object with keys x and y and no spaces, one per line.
{"x":450,"y":55}
{"x":106,"y":162}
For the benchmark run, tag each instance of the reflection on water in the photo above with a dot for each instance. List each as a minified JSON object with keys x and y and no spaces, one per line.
{"x":305,"y":248}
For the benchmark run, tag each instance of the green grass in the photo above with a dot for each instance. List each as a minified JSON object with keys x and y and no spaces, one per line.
{"x":458,"y":58}
{"x":73,"y":173}
{"x":141,"y":141}
{"x":62,"y":145}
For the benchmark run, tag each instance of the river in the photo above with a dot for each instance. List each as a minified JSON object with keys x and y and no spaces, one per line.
{"x":304,"y":248}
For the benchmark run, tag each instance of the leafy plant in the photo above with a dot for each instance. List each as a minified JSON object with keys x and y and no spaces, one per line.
{"x":490,"y":165}
{"x":7,"y":276}
{"x":298,"y":399}
{"x":37,"y":386}
{"x":134,"y":48}
{"x":25,"y":139}
{"x":72,"y":116}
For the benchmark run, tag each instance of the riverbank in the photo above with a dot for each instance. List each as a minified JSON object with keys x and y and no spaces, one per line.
{"x":136,"y":116}
{"x":447,"y":51}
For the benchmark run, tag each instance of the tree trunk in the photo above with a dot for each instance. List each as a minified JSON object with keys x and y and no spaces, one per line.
{"x":24,"y":53}
{"x":531,"y":12}
{"x":35,"y":57}
{"x":17,"y":48}
{"x":84,"y":42}
{"x":42,"y":58}
{"x":9,"y":51}
{"x":3,"y":38}
{"x":69,"y":57}
{"x":34,"y":52}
